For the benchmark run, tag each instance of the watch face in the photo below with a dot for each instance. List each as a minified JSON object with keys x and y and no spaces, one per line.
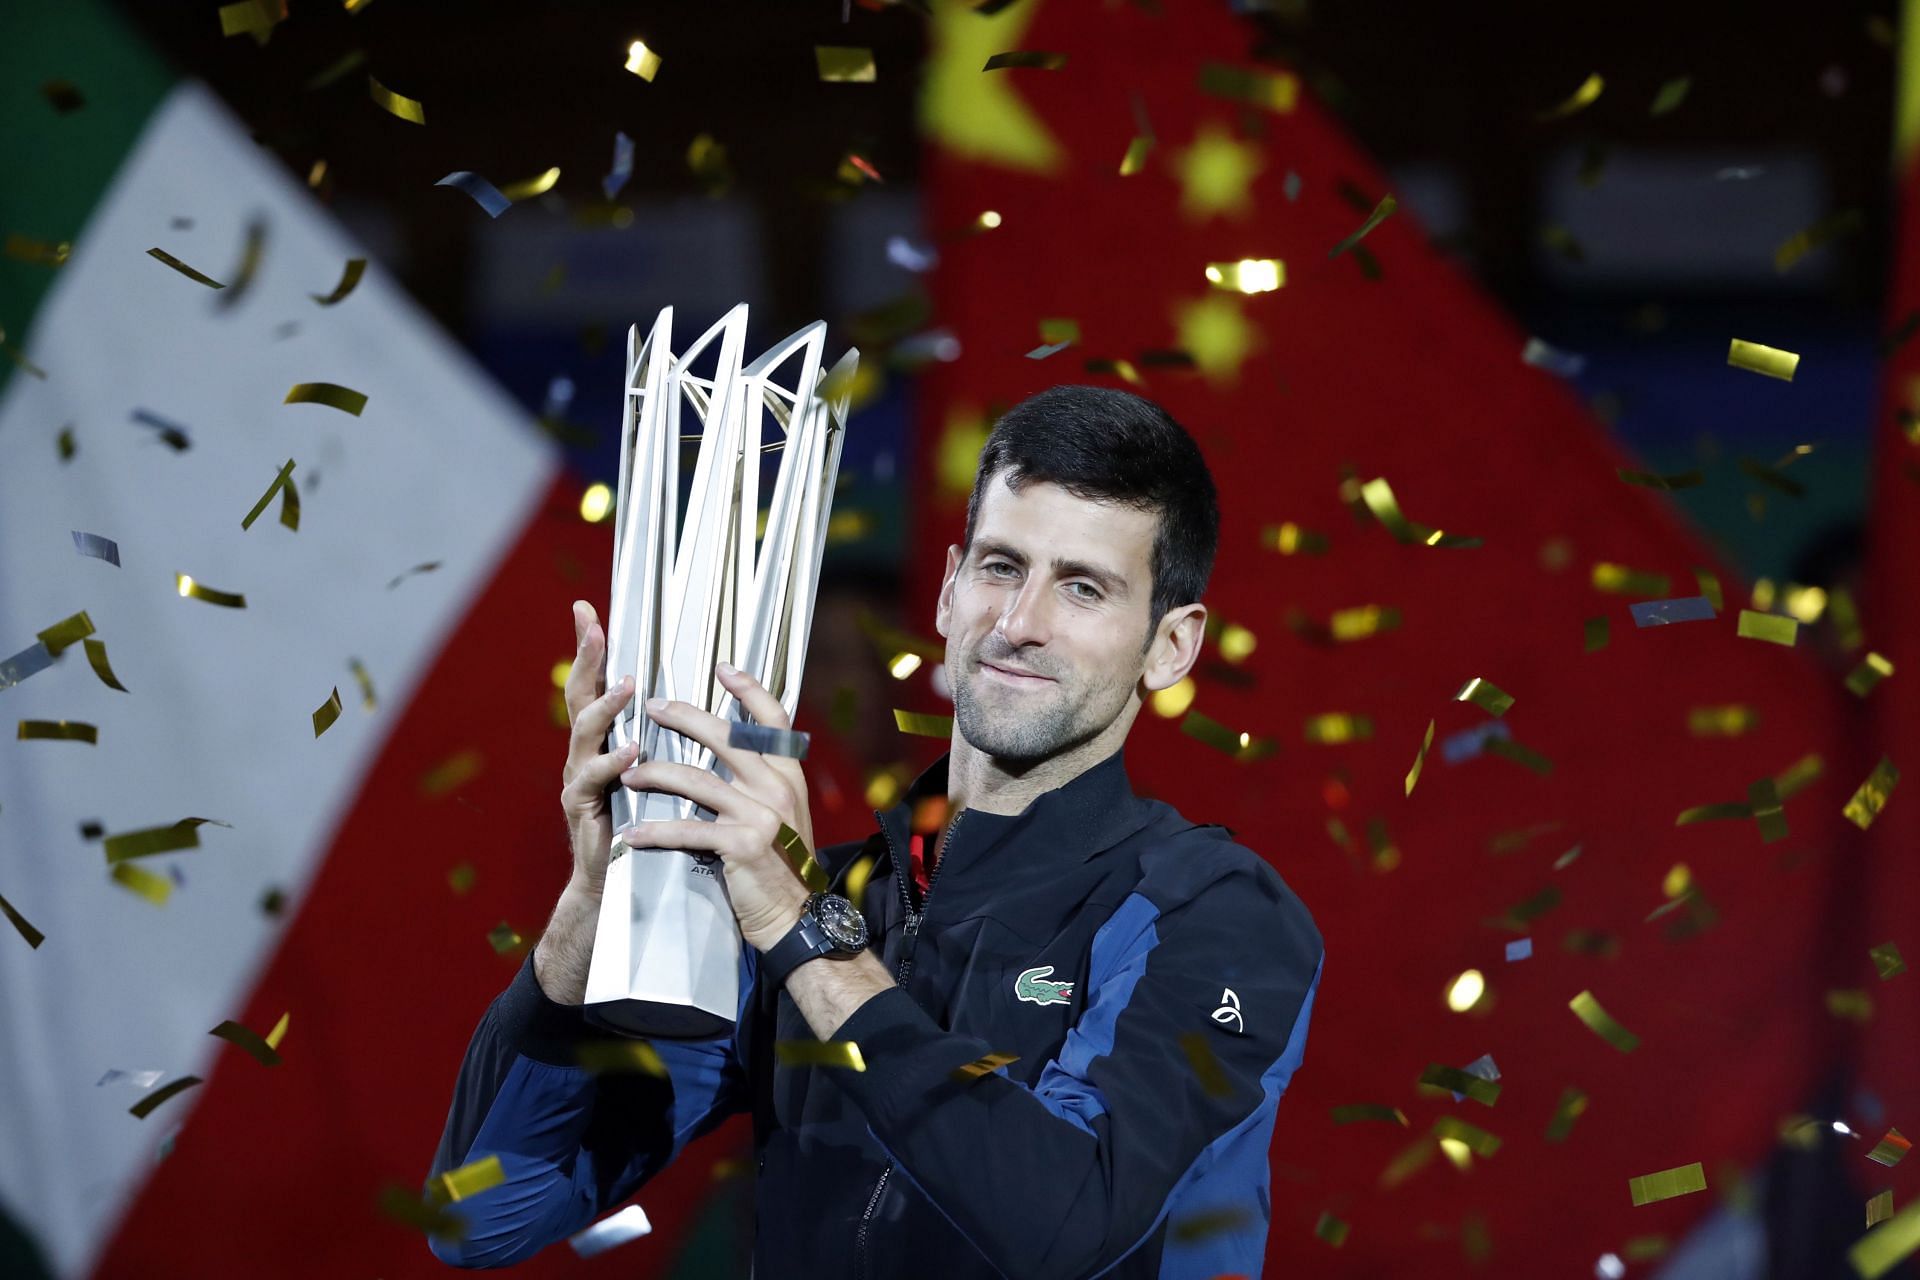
{"x":843,"y":925}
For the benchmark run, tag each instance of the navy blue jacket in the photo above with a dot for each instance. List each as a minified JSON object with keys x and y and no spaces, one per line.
{"x":1153,"y":978}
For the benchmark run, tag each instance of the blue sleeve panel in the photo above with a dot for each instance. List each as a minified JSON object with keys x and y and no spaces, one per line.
{"x":573,"y":1144}
{"x":1200,"y":988}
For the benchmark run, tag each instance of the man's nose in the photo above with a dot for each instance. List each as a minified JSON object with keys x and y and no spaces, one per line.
{"x":1028,"y":619}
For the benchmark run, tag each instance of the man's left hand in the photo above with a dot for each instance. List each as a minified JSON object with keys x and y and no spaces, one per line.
{"x":766,"y":791}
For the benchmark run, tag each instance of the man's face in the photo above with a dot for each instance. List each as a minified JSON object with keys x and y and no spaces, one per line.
{"x":1046,"y":617}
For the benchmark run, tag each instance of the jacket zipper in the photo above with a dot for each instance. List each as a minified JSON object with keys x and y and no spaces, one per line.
{"x":913,"y":919}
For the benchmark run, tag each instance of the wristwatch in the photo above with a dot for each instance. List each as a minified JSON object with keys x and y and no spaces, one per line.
{"x":829,"y":926}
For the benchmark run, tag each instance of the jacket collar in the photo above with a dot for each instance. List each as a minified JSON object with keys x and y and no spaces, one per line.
{"x":1089,"y":815}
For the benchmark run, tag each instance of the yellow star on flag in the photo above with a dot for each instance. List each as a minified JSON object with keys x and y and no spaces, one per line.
{"x":1216,"y":174}
{"x":979,"y":114}
{"x":1215,"y":332}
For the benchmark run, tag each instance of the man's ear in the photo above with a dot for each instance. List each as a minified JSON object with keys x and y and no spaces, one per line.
{"x":943,"y":612}
{"x":1175,"y":648}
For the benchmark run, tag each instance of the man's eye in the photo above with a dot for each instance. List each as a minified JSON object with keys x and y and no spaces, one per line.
{"x":1085,"y":591}
{"x":995,"y":566}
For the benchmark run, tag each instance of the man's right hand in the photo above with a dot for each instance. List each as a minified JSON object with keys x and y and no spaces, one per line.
{"x":591,"y":770}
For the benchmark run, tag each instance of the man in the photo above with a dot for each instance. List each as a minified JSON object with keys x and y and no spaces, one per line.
{"x":1076,"y":1010}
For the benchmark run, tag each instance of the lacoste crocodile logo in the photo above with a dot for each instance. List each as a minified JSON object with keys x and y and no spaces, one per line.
{"x":1033,"y":986}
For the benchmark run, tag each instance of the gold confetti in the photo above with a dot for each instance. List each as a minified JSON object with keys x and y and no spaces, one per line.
{"x":145,"y":1107}
{"x":1891,"y":1150}
{"x":1331,"y":1229}
{"x":1770,"y":361}
{"x":982,"y":1066}
{"x":1618,"y":579}
{"x":58,"y":731}
{"x":1798,"y":776}
{"x":1763,"y":797}
{"x":470,"y":1179}
{"x":349,"y":280}
{"x":460,"y":878}
{"x":256,"y":18}
{"x":345,"y":399}
{"x":1489,"y":697}
{"x":41,"y":252}
{"x":365,"y":681}
{"x":1290,"y":539}
{"x":1581,"y":98}
{"x":280,"y":482}
{"x":396,"y":104}
{"x":819,"y":1053}
{"x":923,"y":725}
{"x":1241,"y":746}
{"x":1248,"y":275}
{"x":1521,"y":914}
{"x":1668,"y":1183}
{"x":1572,"y":1105}
{"x":811,"y":873}
{"x":1472,"y":1136}
{"x":1880,"y":1207}
{"x":33,"y":936}
{"x":1886,"y":961}
{"x":1377,"y":494}
{"x":1721,"y":722}
{"x":64,"y":442}
{"x":1713,"y":813}
{"x":1803,"y":242}
{"x":642,"y":61}
{"x":154,"y":888}
{"x":327,"y":712}
{"x":97,"y":659}
{"x":1596,"y":632}
{"x":1770,"y":627}
{"x":1871,"y":797}
{"x":1354,"y":1113}
{"x":1854,"y":1006}
{"x":608,"y":1057}
{"x":844,"y":64}
{"x":1602,"y":1024}
{"x":1668,"y":483}
{"x":1337,"y":726}
{"x":503,"y":938}
{"x":1419,"y":759}
{"x":279,"y":1032}
{"x":1206,"y":1067}
{"x":1887,"y":1245}
{"x":185,"y":270}
{"x":1670,"y":96}
{"x":1274,"y":91}
{"x":451,"y":772}
{"x":255,"y":1046}
{"x":1136,"y":158}
{"x":1862,"y":680}
{"x":1033,"y":58}
{"x":410,"y":1210}
{"x":528,"y":188}
{"x":1381,"y":212}
{"x":186,"y":586}
{"x":1454,"y":1080}
{"x":250,"y":258}
{"x":1518,"y":752}
{"x":184,"y":834}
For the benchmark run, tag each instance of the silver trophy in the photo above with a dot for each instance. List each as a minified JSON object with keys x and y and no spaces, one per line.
{"x":691,"y":590}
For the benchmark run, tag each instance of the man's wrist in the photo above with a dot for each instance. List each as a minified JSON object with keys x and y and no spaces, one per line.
{"x":763,"y":936}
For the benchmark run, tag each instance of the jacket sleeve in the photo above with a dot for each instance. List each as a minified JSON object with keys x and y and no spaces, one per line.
{"x":1066,"y":1177}
{"x":572,"y":1143}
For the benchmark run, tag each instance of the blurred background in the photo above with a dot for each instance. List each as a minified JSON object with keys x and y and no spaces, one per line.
{"x":1588,"y":204}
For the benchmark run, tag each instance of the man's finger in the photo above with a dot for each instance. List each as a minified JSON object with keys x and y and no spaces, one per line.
{"x":698,"y":785}
{"x":601,"y":771}
{"x":710,"y":731}
{"x":753,"y":697}
{"x":686,"y":834}
{"x":592,"y":722}
{"x":587,"y":677}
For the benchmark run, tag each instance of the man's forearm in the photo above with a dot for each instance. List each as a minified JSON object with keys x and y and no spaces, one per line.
{"x":565,"y":950}
{"x":828,"y":991}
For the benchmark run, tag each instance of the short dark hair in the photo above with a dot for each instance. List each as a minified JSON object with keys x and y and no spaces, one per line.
{"x":1110,"y":446}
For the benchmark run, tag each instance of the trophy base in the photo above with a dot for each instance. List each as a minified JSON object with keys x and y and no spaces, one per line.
{"x":657,"y":1020}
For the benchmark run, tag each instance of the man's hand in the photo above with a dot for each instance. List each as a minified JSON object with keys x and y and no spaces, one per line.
{"x":766,"y":791}
{"x":590,"y":770}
